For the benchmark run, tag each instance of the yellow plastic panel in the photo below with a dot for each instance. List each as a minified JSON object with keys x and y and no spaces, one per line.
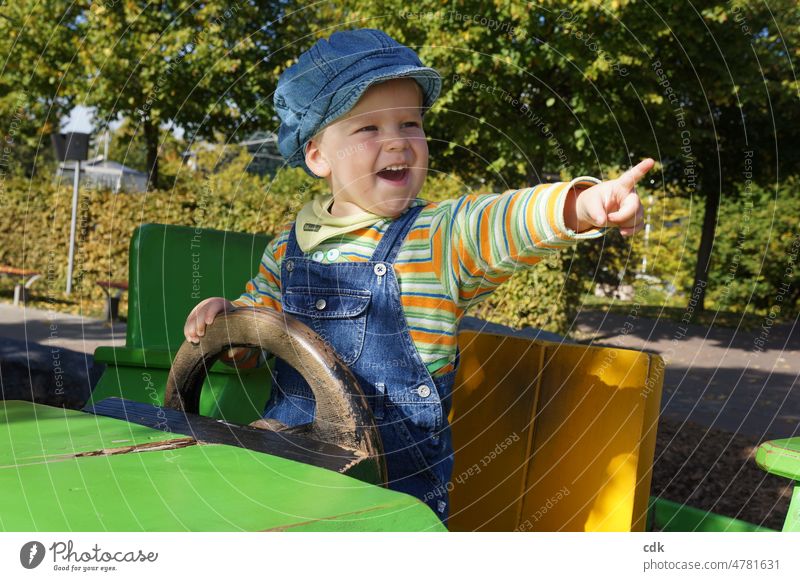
{"x":587,"y":445}
{"x":491,"y":418}
{"x":582,"y":425}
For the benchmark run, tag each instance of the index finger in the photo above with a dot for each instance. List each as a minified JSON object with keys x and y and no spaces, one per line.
{"x":628,"y":213}
{"x":636,"y":173}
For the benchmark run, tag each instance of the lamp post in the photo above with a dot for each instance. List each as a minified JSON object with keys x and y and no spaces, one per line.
{"x":75,"y":147}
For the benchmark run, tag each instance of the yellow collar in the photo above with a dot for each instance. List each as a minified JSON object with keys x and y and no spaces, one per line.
{"x":315,"y":223}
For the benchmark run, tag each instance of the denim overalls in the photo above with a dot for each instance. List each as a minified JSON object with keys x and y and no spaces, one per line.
{"x":355,"y":306}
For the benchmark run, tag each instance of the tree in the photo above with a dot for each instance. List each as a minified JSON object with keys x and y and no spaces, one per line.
{"x":577,"y":87}
{"x":35,"y":44}
{"x":208,"y":68}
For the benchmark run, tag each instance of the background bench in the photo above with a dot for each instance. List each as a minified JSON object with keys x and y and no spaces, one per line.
{"x":26,"y":278}
{"x":113,"y":290}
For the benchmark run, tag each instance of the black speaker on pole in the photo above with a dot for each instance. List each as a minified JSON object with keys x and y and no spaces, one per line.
{"x":71,"y":146}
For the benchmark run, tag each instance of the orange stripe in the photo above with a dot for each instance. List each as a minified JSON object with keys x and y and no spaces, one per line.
{"x":365,"y":233}
{"x":529,"y":260}
{"x":431,"y":338}
{"x":530,"y":216}
{"x":447,"y":368}
{"x":477,"y":273}
{"x":414,"y":267}
{"x":271,"y":303}
{"x":471,"y":294}
{"x":551,"y":211}
{"x":267,"y":274}
{"x":466,"y":259}
{"x":437,"y":252}
{"x":419,"y":234}
{"x":428,"y":303}
{"x":279,"y":252}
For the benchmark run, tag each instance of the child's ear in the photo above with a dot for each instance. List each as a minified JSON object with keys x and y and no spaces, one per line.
{"x":316,"y":161}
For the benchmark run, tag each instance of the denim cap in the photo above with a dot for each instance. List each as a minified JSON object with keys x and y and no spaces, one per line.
{"x":329,"y":78}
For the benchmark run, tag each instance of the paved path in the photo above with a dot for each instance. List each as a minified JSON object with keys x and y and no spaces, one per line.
{"x":715,"y":376}
{"x":47,"y":356}
{"x":54,"y":329}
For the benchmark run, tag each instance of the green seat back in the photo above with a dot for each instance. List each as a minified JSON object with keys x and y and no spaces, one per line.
{"x":172,"y":268}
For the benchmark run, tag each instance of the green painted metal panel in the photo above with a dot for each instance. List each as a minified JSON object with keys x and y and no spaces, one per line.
{"x":142,"y":358}
{"x":150,"y":358}
{"x":670,"y":516}
{"x":172,"y":268}
{"x":197,"y":488}
{"x":34,"y":434}
{"x":792,"y":522}
{"x":780,"y":457}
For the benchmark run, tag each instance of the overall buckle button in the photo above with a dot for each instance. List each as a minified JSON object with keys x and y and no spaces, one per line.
{"x":289,"y":265}
{"x":320,"y":304}
{"x":380,"y":269}
{"x":423,"y":391}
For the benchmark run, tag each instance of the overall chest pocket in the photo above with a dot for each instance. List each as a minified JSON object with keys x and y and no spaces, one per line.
{"x":339,"y":316}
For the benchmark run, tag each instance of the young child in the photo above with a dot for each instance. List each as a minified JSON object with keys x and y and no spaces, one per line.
{"x":383,"y":276}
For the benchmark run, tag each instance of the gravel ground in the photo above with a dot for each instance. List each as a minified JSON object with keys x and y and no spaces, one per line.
{"x":715,"y":470}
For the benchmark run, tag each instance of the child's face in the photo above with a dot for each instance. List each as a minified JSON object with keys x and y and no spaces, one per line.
{"x":383,"y":129}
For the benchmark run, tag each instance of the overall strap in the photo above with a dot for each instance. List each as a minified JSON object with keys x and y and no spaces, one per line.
{"x":390,"y":243}
{"x":292,"y":248}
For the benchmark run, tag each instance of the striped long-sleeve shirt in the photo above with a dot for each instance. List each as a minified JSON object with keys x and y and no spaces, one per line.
{"x":456,"y":254}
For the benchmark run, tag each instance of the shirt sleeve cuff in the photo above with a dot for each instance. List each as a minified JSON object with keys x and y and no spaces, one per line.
{"x":580,"y":184}
{"x":244,"y":301}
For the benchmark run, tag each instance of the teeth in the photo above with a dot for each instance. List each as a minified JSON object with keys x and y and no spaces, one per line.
{"x":395,"y":167}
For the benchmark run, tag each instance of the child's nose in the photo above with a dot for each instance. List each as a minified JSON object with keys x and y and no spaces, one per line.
{"x":395,"y":142}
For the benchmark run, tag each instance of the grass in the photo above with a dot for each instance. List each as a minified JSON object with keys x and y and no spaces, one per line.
{"x":655,"y":303}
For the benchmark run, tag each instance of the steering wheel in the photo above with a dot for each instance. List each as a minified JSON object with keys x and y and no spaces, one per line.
{"x":342,"y":416}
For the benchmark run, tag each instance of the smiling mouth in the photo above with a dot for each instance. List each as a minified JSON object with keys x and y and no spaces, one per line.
{"x":393,"y":175}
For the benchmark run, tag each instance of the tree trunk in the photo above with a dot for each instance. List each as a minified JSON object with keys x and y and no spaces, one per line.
{"x":151,"y":144}
{"x":704,"y":252}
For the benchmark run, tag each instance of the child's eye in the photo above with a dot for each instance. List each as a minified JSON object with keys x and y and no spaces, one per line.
{"x":411,"y":124}
{"x":369,"y":128}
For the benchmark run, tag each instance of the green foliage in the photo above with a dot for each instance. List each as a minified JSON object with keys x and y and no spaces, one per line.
{"x":572,"y":86}
{"x":754,"y":268}
{"x":565,"y":87}
{"x":208,"y":67}
{"x":542,"y":297}
{"x":36,"y":44}
{"x":756,"y":264}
